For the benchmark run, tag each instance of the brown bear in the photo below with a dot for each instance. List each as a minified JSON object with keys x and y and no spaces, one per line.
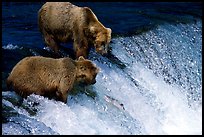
{"x":63,"y":21}
{"x":52,"y":78}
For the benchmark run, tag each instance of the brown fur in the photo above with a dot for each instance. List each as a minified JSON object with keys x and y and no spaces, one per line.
{"x":49,"y":77}
{"x":63,"y":21}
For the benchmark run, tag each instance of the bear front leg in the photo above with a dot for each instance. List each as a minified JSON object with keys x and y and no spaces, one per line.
{"x":51,"y":43}
{"x":65,"y":86}
{"x":80,"y":50}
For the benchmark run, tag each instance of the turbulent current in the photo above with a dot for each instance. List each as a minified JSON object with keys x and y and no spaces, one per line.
{"x":150,"y":84}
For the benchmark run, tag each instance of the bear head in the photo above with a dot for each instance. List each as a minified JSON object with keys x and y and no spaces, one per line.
{"x":98,"y":35}
{"x":100,"y":38}
{"x":102,"y":41}
{"x":86,"y":71}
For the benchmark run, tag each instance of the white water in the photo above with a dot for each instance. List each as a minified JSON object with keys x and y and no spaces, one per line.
{"x":10,"y":46}
{"x":152,"y":88}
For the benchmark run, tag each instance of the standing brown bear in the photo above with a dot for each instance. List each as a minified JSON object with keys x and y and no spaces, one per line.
{"x":49,"y":77}
{"x":63,"y":21}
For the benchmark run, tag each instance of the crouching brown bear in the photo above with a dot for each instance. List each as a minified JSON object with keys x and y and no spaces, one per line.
{"x":52,"y":78}
{"x":62,"y":21}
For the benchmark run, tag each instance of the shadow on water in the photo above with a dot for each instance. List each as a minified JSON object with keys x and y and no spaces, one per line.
{"x":114,"y":60}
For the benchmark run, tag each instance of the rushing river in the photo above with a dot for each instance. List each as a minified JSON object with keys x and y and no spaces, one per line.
{"x":151,"y":83}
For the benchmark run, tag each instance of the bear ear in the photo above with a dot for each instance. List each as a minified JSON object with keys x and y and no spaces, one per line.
{"x":90,"y":32}
{"x":81,"y":58}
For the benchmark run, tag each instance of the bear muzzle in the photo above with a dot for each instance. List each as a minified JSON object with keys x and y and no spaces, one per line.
{"x":87,"y":82}
{"x":93,"y":81}
{"x":103,"y":49}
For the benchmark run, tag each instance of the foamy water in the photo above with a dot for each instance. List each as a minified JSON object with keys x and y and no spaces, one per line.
{"x":10,"y":46}
{"x":157,"y":92}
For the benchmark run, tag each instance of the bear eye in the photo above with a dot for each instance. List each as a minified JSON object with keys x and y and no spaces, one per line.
{"x":103,"y":43}
{"x":83,"y":76}
{"x":82,"y":68}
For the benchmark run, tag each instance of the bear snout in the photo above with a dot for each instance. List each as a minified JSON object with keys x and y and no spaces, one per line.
{"x":103,"y":50}
{"x":93,"y":81}
{"x":87,"y":82}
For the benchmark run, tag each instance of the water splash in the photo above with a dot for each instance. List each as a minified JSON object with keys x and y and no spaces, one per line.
{"x":157,"y":91}
{"x":10,"y":47}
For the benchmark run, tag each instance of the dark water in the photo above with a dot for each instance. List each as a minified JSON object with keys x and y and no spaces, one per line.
{"x":155,"y":63}
{"x":19,"y":20}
